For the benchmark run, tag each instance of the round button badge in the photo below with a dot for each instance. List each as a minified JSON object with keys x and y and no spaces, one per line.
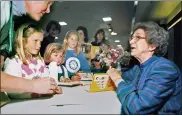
{"x":73,"y":64}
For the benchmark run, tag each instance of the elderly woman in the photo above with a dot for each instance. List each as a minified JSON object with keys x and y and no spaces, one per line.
{"x":154,"y":86}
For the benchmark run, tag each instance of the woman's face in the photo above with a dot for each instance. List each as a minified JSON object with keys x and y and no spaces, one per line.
{"x":100,"y":36}
{"x":139,"y":45}
{"x":82,"y":36}
{"x":33,"y":43}
{"x":53,"y":31}
{"x":73,"y":41}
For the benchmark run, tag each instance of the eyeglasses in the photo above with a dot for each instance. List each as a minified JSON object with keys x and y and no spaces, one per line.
{"x":136,"y":38}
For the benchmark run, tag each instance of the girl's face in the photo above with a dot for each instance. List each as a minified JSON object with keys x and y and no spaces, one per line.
{"x":73,"y":41}
{"x":57,"y":57}
{"x":34,"y":43}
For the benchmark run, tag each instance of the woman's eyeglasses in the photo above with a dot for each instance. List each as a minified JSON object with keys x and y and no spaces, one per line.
{"x":136,"y":38}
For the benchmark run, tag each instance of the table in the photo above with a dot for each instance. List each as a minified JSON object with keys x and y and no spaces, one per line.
{"x":75,"y":100}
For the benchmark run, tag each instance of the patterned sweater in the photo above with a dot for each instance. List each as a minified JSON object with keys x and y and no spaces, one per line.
{"x":35,"y":69}
{"x":154,"y":87}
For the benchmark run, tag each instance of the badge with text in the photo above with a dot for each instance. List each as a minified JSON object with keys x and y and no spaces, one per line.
{"x":73,"y":64}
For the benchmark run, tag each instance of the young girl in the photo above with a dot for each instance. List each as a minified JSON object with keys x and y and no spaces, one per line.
{"x":54,"y":58}
{"x":27,"y":62}
{"x":75,"y":60}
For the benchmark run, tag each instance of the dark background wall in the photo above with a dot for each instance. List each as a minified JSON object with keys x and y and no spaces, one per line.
{"x":175,"y":45}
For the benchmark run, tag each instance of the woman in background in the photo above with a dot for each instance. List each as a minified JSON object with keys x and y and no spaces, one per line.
{"x":86,"y":47}
{"x":99,"y":38}
{"x":53,"y":29}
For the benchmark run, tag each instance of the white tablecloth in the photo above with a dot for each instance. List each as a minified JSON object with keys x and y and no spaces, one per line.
{"x":75,"y":100}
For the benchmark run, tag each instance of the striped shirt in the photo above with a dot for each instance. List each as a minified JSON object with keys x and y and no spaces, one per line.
{"x":154,"y":87}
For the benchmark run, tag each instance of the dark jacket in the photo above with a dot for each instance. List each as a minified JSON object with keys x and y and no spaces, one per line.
{"x":47,"y":40}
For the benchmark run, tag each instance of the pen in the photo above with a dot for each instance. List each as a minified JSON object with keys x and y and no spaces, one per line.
{"x":64,"y":105}
{"x":57,"y":105}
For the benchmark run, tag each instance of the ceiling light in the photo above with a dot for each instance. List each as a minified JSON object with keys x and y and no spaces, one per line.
{"x":136,"y":3}
{"x":113,"y":33}
{"x":119,"y":45}
{"x":56,"y":37}
{"x":117,"y":41}
{"x":62,"y":23}
{"x":105,"y":19}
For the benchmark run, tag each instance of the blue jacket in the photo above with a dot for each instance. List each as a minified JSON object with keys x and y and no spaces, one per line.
{"x":154,"y":87}
{"x":84,"y":65}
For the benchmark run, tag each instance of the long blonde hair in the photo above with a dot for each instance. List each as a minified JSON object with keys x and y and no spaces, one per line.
{"x":21,"y":37}
{"x":52,"y":48}
{"x":65,"y":42}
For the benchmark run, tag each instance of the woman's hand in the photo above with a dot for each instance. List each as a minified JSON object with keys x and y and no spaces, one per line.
{"x":114,"y":74}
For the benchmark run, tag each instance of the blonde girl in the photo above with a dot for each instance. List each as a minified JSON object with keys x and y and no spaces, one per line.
{"x":54,"y":58}
{"x":27,"y":62}
{"x":75,"y":59}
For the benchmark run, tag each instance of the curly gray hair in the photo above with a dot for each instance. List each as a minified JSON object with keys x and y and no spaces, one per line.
{"x":155,"y":35}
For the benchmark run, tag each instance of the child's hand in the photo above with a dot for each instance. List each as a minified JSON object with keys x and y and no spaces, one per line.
{"x":65,"y":80}
{"x":58,"y":90}
{"x":75,"y":78}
